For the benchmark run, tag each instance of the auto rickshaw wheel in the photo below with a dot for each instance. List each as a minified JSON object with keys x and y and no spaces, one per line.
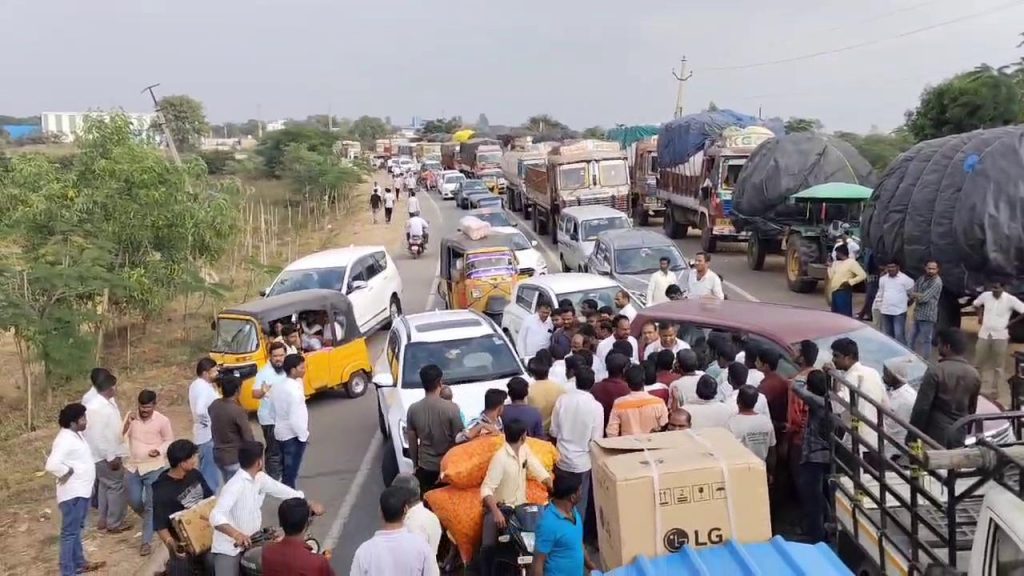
{"x":357,"y":384}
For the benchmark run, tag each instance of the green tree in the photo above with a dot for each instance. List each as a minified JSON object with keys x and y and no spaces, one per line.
{"x":366,"y":129}
{"x":274,"y":144}
{"x":594,"y":132}
{"x":482,"y":123}
{"x":442,"y":126}
{"x":545,"y":128}
{"x":879,"y":149}
{"x":981,"y":98}
{"x":795,"y":124}
{"x":186,"y":120}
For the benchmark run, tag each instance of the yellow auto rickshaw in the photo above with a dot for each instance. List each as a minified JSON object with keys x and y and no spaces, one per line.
{"x":335,"y":351}
{"x":478,"y":274}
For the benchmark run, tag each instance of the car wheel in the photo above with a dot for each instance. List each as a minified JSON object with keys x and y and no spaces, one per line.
{"x":380,"y":420}
{"x":357,"y":384}
{"x":389,"y":465}
{"x":565,"y":267}
{"x":394,"y":309}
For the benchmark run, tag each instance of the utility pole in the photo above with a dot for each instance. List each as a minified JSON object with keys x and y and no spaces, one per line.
{"x":681,"y":77}
{"x":163,"y":123}
{"x":259,"y":122}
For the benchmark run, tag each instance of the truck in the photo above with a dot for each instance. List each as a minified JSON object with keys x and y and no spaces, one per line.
{"x":580,"y":173}
{"x":513,"y":166}
{"x":450,"y":155}
{"x":428,"y":151}
{"x":382,"y":147}
{"x":643,"y":181}
{"x":478,"y":155}
{"x":406,"y":150}
{"x":698,"y":192}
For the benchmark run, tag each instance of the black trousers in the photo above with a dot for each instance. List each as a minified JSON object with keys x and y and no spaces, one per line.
{"x":272,"y":452}
{"x":428,"y":479}
{"x":387,"y":214}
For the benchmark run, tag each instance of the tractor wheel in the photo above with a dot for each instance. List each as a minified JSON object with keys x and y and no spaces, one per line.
{"x":798,"y":253}
{"x":757,"y":249}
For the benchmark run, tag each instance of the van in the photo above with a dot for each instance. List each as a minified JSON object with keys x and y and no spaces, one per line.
{"x":578,"y":227}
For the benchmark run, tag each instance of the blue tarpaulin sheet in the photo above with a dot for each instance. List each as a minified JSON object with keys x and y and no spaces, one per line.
{"x":776,"y":557}
{"x":680,"y":139}
{"x":19,"y":131}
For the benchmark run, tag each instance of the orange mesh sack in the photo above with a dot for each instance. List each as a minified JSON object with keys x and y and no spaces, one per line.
{"x":536,"y":493}
{"x":466,"y":465}
{"x":544,"y":451}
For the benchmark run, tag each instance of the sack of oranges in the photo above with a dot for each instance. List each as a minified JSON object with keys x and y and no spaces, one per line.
{"x":465,"y":465}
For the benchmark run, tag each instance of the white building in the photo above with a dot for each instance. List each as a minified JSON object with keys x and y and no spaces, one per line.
{"x":272,"y":126}
{"x":70,"y":124}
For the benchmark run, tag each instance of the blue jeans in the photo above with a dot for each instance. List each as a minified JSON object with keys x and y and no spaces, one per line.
{"x":207,"y":467}
{"x":140,"y":498}
{"x":895,"y":326}
{"x":842,"y":302}
{"x":921,"y":337}
{"x":292,"y":450}
{"x":72,"y":524}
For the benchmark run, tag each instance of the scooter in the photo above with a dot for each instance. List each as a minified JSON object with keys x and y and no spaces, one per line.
{"x":416,"y":246}
{"x":514,"y":552}
{"x":252,"y":558}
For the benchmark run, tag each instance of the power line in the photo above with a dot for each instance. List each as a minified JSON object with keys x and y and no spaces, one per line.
{"x":872,"y":18}
{"x":993,"y":10}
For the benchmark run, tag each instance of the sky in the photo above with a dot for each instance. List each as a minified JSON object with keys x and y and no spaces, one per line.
{"x":584,"y":62}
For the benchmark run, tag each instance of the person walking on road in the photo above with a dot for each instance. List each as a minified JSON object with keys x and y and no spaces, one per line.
{"x":413,"y":204}
{"x":105,"y":436}
{"x":376,"y":202}
{"x":201,"y":393}
{"x":149,"y":433}
{"x":271,"y":375}
{"x":535,"y":333}
{"x":925,"y":295}
{"x":394,"y":549}
{"x":995,"y":310}
{"x":704,"y":283}
{"x":949,"y":391}
{"x":179,"y":488}
{"x":71,"y":462}
{"x":432,"y":425}
{"x":291,"y":419}
{"x":659,"y":283}
{"x":844,"y":274}
{"x":229,"y":424}
{"x":389,"y":204}
{"x":893,"y":300}
{"x":576,"y":421}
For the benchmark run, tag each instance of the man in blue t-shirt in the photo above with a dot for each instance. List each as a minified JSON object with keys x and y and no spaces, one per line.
{"x":559,"y":547}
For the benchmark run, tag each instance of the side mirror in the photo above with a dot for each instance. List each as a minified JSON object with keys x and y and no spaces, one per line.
{"x":515,"y":224}
{"x":263,"y":292}
{"x":356,"y":285}
{"x":533,"y":243}
{"x":383,"y":380}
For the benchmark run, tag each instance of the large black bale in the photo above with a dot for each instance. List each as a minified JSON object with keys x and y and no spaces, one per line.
{"x":958,"y":200}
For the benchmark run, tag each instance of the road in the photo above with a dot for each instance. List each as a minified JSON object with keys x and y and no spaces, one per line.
{"x":342,"y":465}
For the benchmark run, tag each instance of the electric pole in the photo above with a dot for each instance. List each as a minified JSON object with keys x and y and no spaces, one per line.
{"x":681,"y":77}
{"x":163,"y":124}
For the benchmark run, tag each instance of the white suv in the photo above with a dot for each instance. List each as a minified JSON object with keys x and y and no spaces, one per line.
{"x":366,"y":274}
{"x":552,"y":288}
{"x":467,"y":346}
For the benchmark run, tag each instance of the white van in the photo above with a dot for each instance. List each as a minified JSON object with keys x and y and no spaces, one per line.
{"x":578,"y":227}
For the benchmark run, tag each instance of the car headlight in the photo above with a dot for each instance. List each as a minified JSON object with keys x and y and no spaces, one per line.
{"x":402,"y":428}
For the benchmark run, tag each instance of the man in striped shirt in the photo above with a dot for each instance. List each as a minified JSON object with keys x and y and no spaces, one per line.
{"x":638,"y":412}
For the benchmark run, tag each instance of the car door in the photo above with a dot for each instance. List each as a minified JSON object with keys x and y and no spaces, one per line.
{"x":359,"y":291}
{"x":389,"y":395}
{"x":525,"y":302}
{"x":387,"y":282}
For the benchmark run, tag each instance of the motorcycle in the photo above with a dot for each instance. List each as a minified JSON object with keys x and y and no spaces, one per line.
{"x":252,"y":558}
{"x":514,"y":552}
{"x":416,"y":246}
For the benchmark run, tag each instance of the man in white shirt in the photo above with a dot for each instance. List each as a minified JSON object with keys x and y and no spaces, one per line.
{"x":736,"y":378}
{"x":394,"y":549}
{"x":106,"y":441}
{"x":238,"y":512}
{"x":995,"y":308}
{"x":893,"y":298}
{"x":851,"y":245}
{"x":901,"y":397}
{"x":71,"y":462}
{"x":413,"y":205}
{"x":846,"y":357}
{"x":667,"y":340}
{"x":753,"y":430}
{"x":705,"y":410}
{"x":535,"y":333}
{"x":389,"y":204}
{"x":620,"y":327}
{"x":291,"y":418}
{"x":418,"y":519}
{"x":684,"y":390}
{"x":270,"y":376}
{"x":624,"y":302}
{"x":576,"y":421}
{"x":96,"y":375}
{"x":417,"y":226}
{"x":201,"y":393}
{"x":702,"y":282}
{"x":660,"y":281}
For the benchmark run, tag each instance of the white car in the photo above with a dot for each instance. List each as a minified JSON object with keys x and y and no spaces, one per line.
{"x":448,"y":181}
{"x":530,"y":260}
{"x":578,"y":227}
{"x":470,"y":350}
{"x":366,"y":274}
{"x":573,"y":286}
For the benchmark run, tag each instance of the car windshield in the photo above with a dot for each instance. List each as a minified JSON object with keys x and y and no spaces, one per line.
{"x":572,"y":177}
{"x":454,"y":178}
{"x":591,"y":228}
{"x":875,"y":350}
{"x":320,"y":278}
{"x":483,"y":201}
{"x":431,"y":165}
{"x":604,"y":296}
{"x":490,"y":264}
{"x":494,"y":218}
{"x":647,"y":260}
{"x":236,"y":336}
{"x":463,"y":361}
{"x":613,"y":173}
{"x":473,"y":185}
{"x":519,"y":242}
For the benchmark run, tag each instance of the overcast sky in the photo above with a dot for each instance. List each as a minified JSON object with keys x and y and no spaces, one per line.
{"x":584,"y":62}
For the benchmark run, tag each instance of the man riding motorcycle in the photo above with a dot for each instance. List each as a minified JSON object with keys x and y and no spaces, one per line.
{"x":417,"y":226}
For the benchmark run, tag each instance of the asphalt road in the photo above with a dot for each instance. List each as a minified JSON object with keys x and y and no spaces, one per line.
{"x":342,"y":465}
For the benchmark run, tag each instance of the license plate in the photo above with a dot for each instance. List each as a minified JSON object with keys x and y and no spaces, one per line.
{"x":525,"y":560}
{"x":723,"y":222}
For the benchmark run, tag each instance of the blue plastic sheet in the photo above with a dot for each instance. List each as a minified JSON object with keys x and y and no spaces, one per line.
{"x":680,"y":139}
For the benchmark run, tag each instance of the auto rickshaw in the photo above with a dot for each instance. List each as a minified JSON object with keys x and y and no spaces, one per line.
{"x":478,"y":274}
{"x":338,"y":358}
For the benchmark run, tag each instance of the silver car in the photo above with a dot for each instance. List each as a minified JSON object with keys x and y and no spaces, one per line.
{"x":578,"y":227}
{"x":630,"y":257}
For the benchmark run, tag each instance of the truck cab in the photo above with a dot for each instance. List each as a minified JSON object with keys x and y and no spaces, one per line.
{"x":643,"y":176}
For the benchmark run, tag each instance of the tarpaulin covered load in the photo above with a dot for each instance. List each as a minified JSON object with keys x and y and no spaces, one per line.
{"x":680,"y":139}
{"x":958,"y":200}
{"x":626,"y":136}
{"x":783,"y":166}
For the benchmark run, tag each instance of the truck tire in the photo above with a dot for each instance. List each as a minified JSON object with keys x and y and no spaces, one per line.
{"x":641,"y":215}
{"x":757,"y":249}
{"x":798,"y":253}
{"x":708,"y":242}
{"x":541,"y":219}
{"x":673,"y":229}
{"x":527,"y":210}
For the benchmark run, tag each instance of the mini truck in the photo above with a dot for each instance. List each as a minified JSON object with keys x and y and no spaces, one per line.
{"x":583,"y":173}
{"x":478,"y":156}
{"x":698,"y":192}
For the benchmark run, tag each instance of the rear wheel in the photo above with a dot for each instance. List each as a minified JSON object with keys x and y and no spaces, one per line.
{"x":527,"y":211}
{"x":672,"y":228}
{"x":640,"y":214}
{"x":756,"y":250}
{"x":357,"y":384}
{"x":708,"y":242}
{"x":798,"y":253}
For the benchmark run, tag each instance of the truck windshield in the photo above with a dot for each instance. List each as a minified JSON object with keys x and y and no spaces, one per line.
{"x":572,"y":177}
{"x":731,"y":172}
{"x":647,"y":260}
{"x":489,"y":158}
{"x":235,"y":336}
{"x":653,"y":165}
{"x":613,"y":173}
{"x":591,"y":228}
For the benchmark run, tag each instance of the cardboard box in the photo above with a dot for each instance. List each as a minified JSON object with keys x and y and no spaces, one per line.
{"x":194,"y":528}
{"x":655,"y":493}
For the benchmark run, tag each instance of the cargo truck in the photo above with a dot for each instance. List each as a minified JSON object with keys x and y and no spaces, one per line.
{"x":513,"y":165}
{"x":643,"y":181}
{"x":698,"y":192}
{"x":428,"y":151}
{"x":582,"y":173}
{"x":479,"y":155}
{"x":450,"y":155}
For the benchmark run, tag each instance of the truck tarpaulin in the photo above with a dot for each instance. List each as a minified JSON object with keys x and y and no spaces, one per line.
{"x":680,"y":139}
{"x":626,"y":136}
{"x":958,"y":200}
{"x":783,"y":166}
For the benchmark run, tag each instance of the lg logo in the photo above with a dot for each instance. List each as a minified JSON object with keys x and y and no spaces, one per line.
{"x":676,"y":538}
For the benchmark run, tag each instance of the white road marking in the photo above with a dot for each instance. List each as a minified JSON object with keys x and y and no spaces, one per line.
{"x":331,"y":541}
{"x":740,"y":291}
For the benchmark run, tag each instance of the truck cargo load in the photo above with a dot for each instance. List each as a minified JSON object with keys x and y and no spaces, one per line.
{"x":680,"y":139}
{"x":626,"y":136}
{"x":478,"y":155}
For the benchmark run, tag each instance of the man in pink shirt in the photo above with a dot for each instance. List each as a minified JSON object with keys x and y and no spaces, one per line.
{"x":637,"y":412}
{"x":148,"y":433}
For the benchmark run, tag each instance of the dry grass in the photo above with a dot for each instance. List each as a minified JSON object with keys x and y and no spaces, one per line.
{"x":158,"y":356}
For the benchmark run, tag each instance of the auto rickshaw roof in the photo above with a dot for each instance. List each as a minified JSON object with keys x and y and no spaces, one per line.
{"x":493,"y":240}
{"x":274,"y":307}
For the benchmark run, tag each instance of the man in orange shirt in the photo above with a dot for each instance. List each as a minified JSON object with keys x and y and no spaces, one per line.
{"x":638,"y":412}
